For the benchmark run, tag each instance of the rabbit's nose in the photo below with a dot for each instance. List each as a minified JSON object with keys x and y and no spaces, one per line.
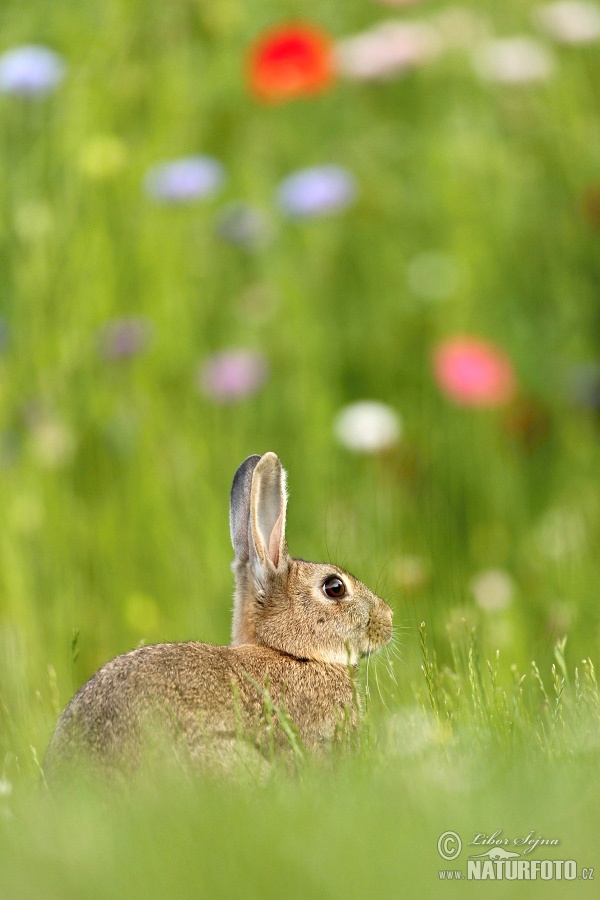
{"x":380,"y":626}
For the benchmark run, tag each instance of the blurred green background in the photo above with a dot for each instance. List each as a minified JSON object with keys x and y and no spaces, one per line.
{"x":115,"y":473}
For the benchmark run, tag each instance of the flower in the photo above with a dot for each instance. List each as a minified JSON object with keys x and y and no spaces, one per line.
{"x":241,"y":224}
{"x":386,"y":49}
{"x":5,"y":787}
{"x":493,"y":590}
{"x":367,"y":427}
{"x":290,"y":61}
{"x":515,"y":60}
{"x":474,"y":372}
{"x":232,"y":375}
{"x":122,"y":339}
{"x":569,"y":21}
{"x":31,"y":71}
{"x":184,"y":180}
{"x":52,"y":442}
{"x":561,"y":533}
{"x":316,"y":191}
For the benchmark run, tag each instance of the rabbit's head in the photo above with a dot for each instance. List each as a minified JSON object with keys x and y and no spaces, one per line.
{"x":308,"y":610}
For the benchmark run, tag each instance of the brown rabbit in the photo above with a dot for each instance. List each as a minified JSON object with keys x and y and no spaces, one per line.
{"x":299,"y":629}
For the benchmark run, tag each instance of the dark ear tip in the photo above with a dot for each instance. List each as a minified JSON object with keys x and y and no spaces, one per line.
{"x":247,"y":467}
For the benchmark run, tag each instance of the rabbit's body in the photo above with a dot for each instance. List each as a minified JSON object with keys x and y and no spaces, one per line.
{"x":299,"y":630}
{"x":203,"y":700}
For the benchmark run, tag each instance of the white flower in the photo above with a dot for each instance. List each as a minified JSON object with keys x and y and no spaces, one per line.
{"x":31,"y":71}
{"x":515,"y":60}
{"x":561,"y":533}
{"x":569,"y":21}
{"x":387,"y":49}
{"x":367,"y":427}
{"x":493,"y":590}
{"x":5,"y":787}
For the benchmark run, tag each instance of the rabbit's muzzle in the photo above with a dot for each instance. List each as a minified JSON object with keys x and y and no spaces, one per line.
{"x":379,"y":628}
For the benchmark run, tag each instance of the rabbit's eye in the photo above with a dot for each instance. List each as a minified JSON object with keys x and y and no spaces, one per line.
{"x":334,"y":587}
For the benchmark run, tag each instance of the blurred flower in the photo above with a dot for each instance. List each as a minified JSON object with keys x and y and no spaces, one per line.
{"x":367,"y":427}
{"x":184,"y":180}
{"x":316,"y":191}
{"x":493,"y":590}
{"x":584,"y":386}
{"x":122,"y":339}
{"x":561,"y":618}
{"x":290,"y":61}
{"x":31,"y":71}
{"x":433,"y":276}
{"x":387,"y":49}
{"x":33,"y":220}
{"x":474,"y":372}
{"x":411,"y":572}
{"x":53,"y":443}
{"x":5,"y":787}
{"x":232,"y":375}
{"x":461,"y":27}
{"x":102,"y":156}
{"x":243,"y":225}
{"x":569,"y":21}
{"x":527,"y":421}
{"x":412,"y":730}
{"x":561,"y":533}
{"x":515,"y":60}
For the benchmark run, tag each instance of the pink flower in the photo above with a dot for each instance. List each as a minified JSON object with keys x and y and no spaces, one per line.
{"x":233,"y":375}
{"x":474,"y":372}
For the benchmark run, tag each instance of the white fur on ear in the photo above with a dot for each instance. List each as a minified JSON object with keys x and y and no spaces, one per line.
{"x":268,"y":502}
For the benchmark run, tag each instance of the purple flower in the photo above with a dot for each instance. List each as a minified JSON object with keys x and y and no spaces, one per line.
{"x":122,"y":339}
{"x":232,"y":375}
{"x":316,"y":191}
{"x":243,"y":225}
{"x":184,"y":180}
{"x":31,"y":71}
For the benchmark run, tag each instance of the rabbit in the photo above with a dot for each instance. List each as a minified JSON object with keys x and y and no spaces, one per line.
{"x":299,"y":630}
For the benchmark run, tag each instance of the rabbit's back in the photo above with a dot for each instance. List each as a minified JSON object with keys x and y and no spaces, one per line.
{"x":197,"y":701}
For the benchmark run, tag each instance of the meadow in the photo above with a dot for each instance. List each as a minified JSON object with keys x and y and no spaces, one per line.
{"x":464,"y":206}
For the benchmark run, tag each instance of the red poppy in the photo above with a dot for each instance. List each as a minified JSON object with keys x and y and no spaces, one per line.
{"x":474,"y":372}
{"x":291,"y":61}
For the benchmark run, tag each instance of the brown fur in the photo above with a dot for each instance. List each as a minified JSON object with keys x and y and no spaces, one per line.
{"x":291,"y":645}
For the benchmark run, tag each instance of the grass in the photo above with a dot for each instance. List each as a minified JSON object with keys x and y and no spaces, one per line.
{"x":114,"y":476}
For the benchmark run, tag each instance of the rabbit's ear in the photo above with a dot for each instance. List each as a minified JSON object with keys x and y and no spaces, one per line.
{"x":268,"y":501}
{"x":239,"y":508}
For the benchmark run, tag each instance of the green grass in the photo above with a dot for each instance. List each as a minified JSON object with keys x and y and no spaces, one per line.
{"x":121,"y":535}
